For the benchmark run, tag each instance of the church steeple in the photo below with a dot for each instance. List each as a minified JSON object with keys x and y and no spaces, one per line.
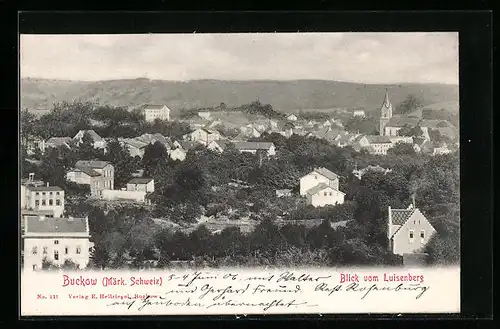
{"x":385,"y":113}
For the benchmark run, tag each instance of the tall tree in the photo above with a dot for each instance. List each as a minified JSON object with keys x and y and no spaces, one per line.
{"x":409,"y":104}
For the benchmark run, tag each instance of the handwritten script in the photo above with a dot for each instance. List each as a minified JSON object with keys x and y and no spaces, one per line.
{"x":286,"y":290}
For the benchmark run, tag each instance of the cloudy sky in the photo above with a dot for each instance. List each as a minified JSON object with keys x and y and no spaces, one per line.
{"x":356,"y":57}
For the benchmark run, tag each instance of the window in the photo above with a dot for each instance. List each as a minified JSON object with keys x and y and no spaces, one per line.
{"x":56,"y":241}
{"x":58,"y":202}
{"x":66,"y":250}
{"x":37,"y":193}
{"x":56,"y":255}
{"x":58,"y":193}
{"x":37,"y":203}
{"x":330,"y":193}
{"x":43,"y":193}
{"x":50,"y":193}
{"x":315,"y":177}
{"x":44,"y":203}
{"x":34,"y":251}
{"x":51,"y":202}
{"x":78,"y":250}
{"x":45,"y":250}
{"x":97,"y":184}
{"x":411,"y":234}
{"x":422,"y":234}
{"x":325,"y":193}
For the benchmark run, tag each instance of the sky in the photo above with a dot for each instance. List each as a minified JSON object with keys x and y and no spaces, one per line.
{"x":354,"y":57}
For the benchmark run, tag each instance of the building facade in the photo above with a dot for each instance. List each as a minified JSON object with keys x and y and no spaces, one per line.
{"x":409,"y":231}
{"x":43,"y":198}
{"x":154,"y":112}
{"x":316,"y":177}
{"x":55,"y":240}
{"x":141,"y":184}
{"x":324,"y":195}
{"x":99,"y":175}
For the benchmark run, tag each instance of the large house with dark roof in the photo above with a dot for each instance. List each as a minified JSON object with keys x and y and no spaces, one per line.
{"x":55,"y":240}
{"x":409,"y":230}
{"x":99,"y":175}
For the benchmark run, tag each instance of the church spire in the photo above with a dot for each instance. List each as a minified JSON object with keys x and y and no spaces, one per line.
{"x":387,"y":103}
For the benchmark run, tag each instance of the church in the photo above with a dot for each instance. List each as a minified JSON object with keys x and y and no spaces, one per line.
{"x":390,"y":124}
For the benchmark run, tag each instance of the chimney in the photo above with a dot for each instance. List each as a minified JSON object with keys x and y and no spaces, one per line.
{"x":413,"y":200}
{"x":31,"y":177}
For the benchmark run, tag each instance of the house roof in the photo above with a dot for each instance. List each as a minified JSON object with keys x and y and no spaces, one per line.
{"x":38,"y":212}
{"x":400,"y":121}
{"x":95,"y":137}
{"x":187,"y":145}
{"x":44,"y":188}
{"x":153,"y":107}
{"x":58,"y":141}
{"x":253,"y":145}
{"x":87,"y":170}
{"x":375,"y":139}
{"x":55,"y":225}
{"x":318,"y":188}
{"x":135,"y":142}
{"x":400,"y":216}
{"x":222,"y":142}
{"x":91,"y":163}
{"x":324,"y":172}
{"x":140,"y":180}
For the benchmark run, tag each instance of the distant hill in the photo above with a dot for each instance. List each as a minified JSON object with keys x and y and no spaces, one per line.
{"x":284,"y":96}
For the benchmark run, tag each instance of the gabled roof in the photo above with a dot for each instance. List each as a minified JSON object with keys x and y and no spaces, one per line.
{"x":137,"y":143}
{"x":376,"y":139}
{"x":253,"y":145}
{"x":320,"y":187}
{"x":221,"y":142}
{"x":87,"y":170}
{"x":55,"y":225}
{"x":58,"y":141}
{"x":325,"y":172}
{"x":400,"y":216}
{"x":95,"y":137}
{"x":92,"y":164}
{"x":153,"y":107}
{"x":187,"y":145}
{"x":44,"y":188}
{"x":140,"y":180}
{"x":400,"y":121}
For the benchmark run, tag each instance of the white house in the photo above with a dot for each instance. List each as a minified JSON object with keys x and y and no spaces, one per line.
{"x":359,"y":113}
{"x":323,"y":195}
{"x":291,"y":117}
{"x":316,"y":177}
{"x":98,"y":141}
{"x":376,"y":144}
{"x":203,"y":136}
{"x":253,"y":147}
{"x":43,"y":198}
{"x":153,"y":112}
{"x":56,"y":240}
{"x":141,"y":184}
{"x":409,"y":231}
{"x":181,"y":149}
{"x":204,"y":115}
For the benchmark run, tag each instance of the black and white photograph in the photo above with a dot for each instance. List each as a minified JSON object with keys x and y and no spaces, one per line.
{"x":159,"y":151}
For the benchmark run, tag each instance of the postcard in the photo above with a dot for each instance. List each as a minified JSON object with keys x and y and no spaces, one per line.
{"x":239,"y":173}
